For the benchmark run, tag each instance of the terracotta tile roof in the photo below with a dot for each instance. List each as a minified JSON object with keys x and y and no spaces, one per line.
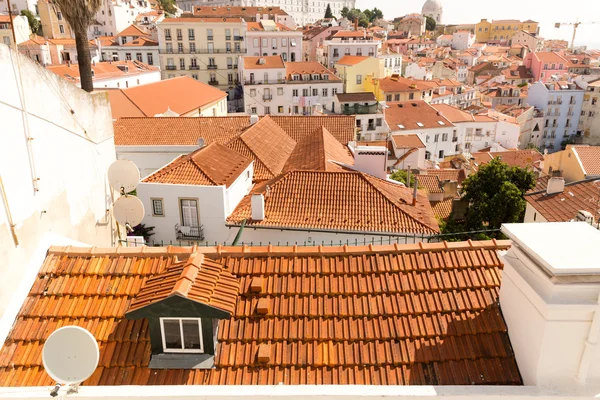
{"x":199,"y":279}
{"x":258,"y":26}
{"x":102,"y":70}
{"x":563,"y":207}
{"x":141,"y":41}
{"x":352,"y":60}
{"x":178,"y":131}
{"x":589,"y":156}
{"x":514,"y":158}
{"x":414,"y":114}
{"x":267,"y":144}
{"x":517,"y":72}
{"x":442,"y":209}
{"x":423,"y":314}
{"x":453,"y":114}
{"x":355,"y":97}
{"x":213,"y":165}
{"x":314,"y":152}
{"x":430,"y":183}
{"x":181,"y":95}
{"x":448,"y":174}
{"x":309,"y":67}
{"x":263,"y":62}
{"x":351,"y":34}
{"x":132,"y":30}
{"x":541,"y":183}
{"x":249,"y":13}
{"x":323,"y":202}
{"x":342,"y":127}
{"x":408,"y":141}
{"x":200,"y":20}
{"x":400,"y":84}
{"x":551,"y":57}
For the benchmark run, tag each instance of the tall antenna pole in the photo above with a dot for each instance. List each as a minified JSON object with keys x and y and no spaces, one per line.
{"x":12,"y":25}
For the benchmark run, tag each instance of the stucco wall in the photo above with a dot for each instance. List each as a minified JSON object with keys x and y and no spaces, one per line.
{"x":69,"y":153}
{"x":150,"y":158}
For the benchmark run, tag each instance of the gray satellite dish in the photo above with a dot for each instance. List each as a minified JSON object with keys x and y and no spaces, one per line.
{"x":123,"y":176}
{"x":70,"y":355}
{"x":128,"y":210}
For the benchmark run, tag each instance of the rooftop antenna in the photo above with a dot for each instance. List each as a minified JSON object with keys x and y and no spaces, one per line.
{"x":70,"y":356}
{"x":124,"y":177}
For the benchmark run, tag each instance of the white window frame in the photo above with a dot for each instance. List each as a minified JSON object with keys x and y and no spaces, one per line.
{"x":182,"y":350}
{"x":162,"y":207}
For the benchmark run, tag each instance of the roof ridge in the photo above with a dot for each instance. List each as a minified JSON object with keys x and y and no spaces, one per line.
{"x":133,"y":102}
{"x":186,"y":280}
{"x":198,"y":165}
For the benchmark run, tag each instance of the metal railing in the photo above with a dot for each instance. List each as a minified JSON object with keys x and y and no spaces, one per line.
{"x":211,"y":66}
{"x":267,"y":97}
{"x":194,"y":67}
{"x":263,"y":82}
{"x":170,"y":67}
{"x":189,"y":232}
{"x":214,"y":83}
{"x":361,"y":109}
{"x":205,"y":51}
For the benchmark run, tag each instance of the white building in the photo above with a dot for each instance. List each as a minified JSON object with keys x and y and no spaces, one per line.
{"x":462,"y":40}
{"x":57,"y":147}
{"x":561,"y":103}
{"x":303,"y":12}
{"x":531,"y":40}
{"x":272,"y":86}
{"x":419,"y":70}
{"x":354,"y":43}
{"x":370,"y":118}
{"x":268,"y":38}
{"x":392,"y":61}
{"x":116,"y":15}
{"x":21,"y":25}
{"x":130,"y":44}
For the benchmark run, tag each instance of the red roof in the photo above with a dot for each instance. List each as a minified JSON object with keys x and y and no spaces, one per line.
{"x":563,"y":207}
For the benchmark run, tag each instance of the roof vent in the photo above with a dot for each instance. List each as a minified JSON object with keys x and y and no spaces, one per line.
{"x":261,"y":61}
{"x":253,"y":119}
{"x":262,"y":307}
{"x":258,"y":207}
{"x":256,"y":285}
{"x":414,"y":104}
{"x":201,"y":143}
{"x":555,"y":185}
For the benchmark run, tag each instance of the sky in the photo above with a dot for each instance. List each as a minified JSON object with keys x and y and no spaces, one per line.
{"x":546,"y":12}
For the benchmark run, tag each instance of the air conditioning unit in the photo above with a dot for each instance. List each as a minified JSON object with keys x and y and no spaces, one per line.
{"x":584,"y":216}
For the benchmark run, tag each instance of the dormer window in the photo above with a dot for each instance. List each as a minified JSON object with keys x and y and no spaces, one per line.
{"x":305,"y":77}
{"x":295,"y":77}
{"x":182,"y":335}
{"x":315,"y":77}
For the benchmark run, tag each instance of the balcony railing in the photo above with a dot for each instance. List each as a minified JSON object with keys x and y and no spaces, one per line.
{"x":263,"y":82}
{"x":211,"y":66}
{"x":171,"y":68}
{"x":214,"y":83}
{"x":238,"y":38}
{"x":210,"y":38}
{"x":189,"y":232}
{"x":179,"y":37}
{"x":168,"y":37}
{"x":361,"y":109}
{"x":191,"y":37}
{"x":267,"y":97}
{"x":454,"y":139}
{"x":228,"y":37}
{"x":194,"y":67}
{"x":205,"y":51}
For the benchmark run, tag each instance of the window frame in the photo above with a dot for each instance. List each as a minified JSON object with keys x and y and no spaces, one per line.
{"x":182,"y":350}
{"x":162,"y":206}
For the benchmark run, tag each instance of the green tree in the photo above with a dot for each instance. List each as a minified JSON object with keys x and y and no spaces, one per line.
{"x":430,"y":23}
{"x":169,"y":6}
{"x":345,"y":12}
{"x":376,"y":14}
{"x":355,"y":13}
{"x":142,"y":230}
{"x":369,"y":14}
{"x":79,"y":14}
{"x":34,"y":24}
{"x":401,"y":176}
{"x":328,"y":13}
{"x":496,"y":195}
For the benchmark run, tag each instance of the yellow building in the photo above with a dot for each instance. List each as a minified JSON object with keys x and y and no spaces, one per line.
{"x":355,"y":70}
{"x":54,"y":25}
{"x":397,"y":88}
{"x":575,"y":163}
{"x":502,"y":30}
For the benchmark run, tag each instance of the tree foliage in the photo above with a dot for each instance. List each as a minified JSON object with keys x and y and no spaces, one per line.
{"x":496,"y":195}
{"x":142,"y":230}
{"x":430,"y":23}
{"x":344,"y":12}
{"x":355,"y":13}
{"x":328,"y":13}
{"x":376,"y":14}
{"x":79,"y":14}
{"x":34,"y":24}
{"x":402,"y":176}
{"x":169,"y":6}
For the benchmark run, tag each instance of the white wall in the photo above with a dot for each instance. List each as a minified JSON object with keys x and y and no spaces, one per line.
{"x":128,"y":81}
{"x":413,"y":70}
{"x":108,"y":54}
{"x":533,"y":215}
{"x":433,"y":147}
{"x":279,"y":38}
{"x":68,"y":165}
{"x":150,"y":158}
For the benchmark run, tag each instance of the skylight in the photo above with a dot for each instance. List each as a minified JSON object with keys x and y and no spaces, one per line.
{"x":441,"y":123}
{"x":420,"y":124}
{"x":400,"y":126}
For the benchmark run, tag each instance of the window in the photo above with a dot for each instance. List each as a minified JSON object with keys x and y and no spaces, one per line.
{"x":388,"y":97}
{"x":253,"y":110}
{"x":230,"y":78}
{"x":252,"y":92}
{"x":169,"y":47}
{"x":59,"y":15}
{"x":315,"y":92}
{"x":444,"y":137}
{"x":209,"y":34}
{"x":441,"y":154}
{"x":255,"y":42}
{"x":181,"y":335}
{"x":128,"y":56}
{"x":180,"y":47}
{"x":436,"y":138}
{"x":227,"y":34}
{"x":280,"y":109}
{"x":295,"y":93}
{"x":304,"y":92}
{"x":192,"y":47}
{"x":167,"y":34}
{"x":333,"y":91}
{"x":182,"y":63}
{"x":397,"y":97}
{"x":157,"y":207}
{"x":280,"y":91}
{"x":325,"y":92}
{"x":265,"y":42}
{"x":138,"y":57}
{"x":189,"y":213}
{"x":358,"y":79}
{"x":191,"y":34}
{"x":61,"y":28}
{"x":274,"y":43}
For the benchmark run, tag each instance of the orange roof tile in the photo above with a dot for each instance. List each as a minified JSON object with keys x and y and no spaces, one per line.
{"x":352,"y":60}
{"x":400,"y":84}
{"x":323,"y":201}
{"x":551,"y":57}
{"x":381,"y":315}
{"x":267,"y":144}
{"x":263,"y":62}
{"x":447,"y":174}
{"x":132,"y":30}
{"x":351,"y":34}
{"x":442,"y":209}
{"x":453,"y":114}
{"x":589,"y":156}
{"x":314,"y":152}
{"x":308,"y":67}
{"x":514,"y":158}
{"x":563,"y":207}
{"x":414,"y":114}
{"x":102,"y":70}
{"x":198,"y":279}
{"x":181,"y":95}
{"x":342,"y":127}
{"x":408,"y":141}
{"x":431,"y":183}
{"x":257,"y":26}
{"x":213,"y":165}
{"x":179,"y":131}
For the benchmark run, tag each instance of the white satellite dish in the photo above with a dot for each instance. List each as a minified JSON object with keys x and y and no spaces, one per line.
{"x":123,"y":176}
{"x":70,"y":355}
{"x":128,"y":210}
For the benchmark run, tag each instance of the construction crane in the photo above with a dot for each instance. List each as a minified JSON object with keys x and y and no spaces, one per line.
{"x":575,"y":26}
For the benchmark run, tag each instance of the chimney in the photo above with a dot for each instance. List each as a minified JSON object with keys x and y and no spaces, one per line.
{"x":258,"y":207}
{"x":555,"y":185}
{"x":355,"y":23}
{"x":253,"y":119}
{"x":371,"y":160}
{"x":550,"y":300}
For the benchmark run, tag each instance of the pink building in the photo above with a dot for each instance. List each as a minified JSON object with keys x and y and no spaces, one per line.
{"x":313,"y":38}
{"x":544,"y":65}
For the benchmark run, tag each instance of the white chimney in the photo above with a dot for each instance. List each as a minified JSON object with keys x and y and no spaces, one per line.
{"x":258,"y":207}
{"x":253,"y":119}
{"x":550,"y":300}
{"x":371,"y":160}
{"x":556,"y":184}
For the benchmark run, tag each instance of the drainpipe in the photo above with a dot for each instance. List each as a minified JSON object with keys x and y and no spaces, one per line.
{"x":239,"y":234}
{"x":11,"y":223}
{"x":590,"y":346}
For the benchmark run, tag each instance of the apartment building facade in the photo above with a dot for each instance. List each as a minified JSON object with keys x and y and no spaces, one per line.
{"x":206,"y":49}
{"x":269,"y":38}
{"x":561,"y":102}
{"x":350,"y":43}
{"x":54,"y":25}
{"x":130,"y":44}
{"x":502,"y":30}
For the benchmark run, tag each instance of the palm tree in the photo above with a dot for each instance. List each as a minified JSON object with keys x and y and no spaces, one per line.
{"x":79,"y":14}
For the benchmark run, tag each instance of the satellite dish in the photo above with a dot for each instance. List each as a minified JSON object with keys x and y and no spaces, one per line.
{"x":70,"y":355}
{"x":128,"y":210}
{"x":123,"y":176}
